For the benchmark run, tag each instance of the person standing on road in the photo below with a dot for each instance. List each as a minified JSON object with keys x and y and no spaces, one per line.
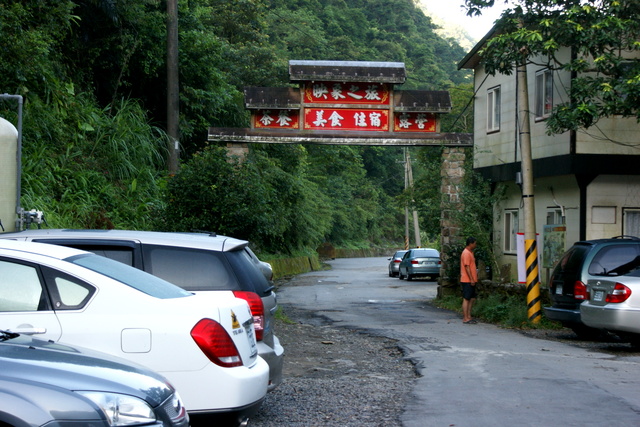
{"x":468,"y":280}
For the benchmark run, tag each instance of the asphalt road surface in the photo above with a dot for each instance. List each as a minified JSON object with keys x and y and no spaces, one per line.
{"x":472,"y":375}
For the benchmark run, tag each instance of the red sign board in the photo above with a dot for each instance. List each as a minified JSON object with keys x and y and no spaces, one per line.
{"x":276,"y":119}
{"x":346,"y":119}
{"x":346,"y":93}
{"x":414,"y":122}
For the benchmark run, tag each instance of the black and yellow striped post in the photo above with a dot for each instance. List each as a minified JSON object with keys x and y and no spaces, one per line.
{"x":534,"y":305}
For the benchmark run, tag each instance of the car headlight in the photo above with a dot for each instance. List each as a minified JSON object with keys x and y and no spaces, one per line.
{"x":120,"y":409}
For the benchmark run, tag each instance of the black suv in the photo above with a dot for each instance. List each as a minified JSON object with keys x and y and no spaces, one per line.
{"x":585,"y":260}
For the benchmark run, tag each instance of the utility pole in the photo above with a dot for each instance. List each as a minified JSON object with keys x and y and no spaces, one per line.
{"x":408,"y":183}
{"x":534,"y":306}
{"x":173,"y":94}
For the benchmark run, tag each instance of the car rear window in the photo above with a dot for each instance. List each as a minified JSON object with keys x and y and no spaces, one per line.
{"x":191,"y":269}
{"x":247,"y":273}
{"x":426,"y":253}
{"x":130,"y":276}
{"x":571,"y":261}
{"x":615,"y":260}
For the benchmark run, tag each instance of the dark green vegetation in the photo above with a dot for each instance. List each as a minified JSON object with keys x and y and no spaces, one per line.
{"x":509,"y":311}
{"x":93,"y":76}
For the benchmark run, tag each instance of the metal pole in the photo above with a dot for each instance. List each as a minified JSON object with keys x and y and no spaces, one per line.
{"x":534,"y":306}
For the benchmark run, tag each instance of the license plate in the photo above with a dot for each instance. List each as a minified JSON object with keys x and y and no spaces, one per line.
{"x":251,"y":338}
{"x":598,"y":295}
{"x":428,"y":263}
{"x":559,"y":290}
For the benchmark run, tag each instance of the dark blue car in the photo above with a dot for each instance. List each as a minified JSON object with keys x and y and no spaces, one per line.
{"x":46,"y":383}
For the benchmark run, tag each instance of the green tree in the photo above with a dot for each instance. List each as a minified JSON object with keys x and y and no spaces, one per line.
{"x":605,"y":38}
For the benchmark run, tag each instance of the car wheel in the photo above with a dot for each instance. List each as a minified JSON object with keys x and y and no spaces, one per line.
{"x":390,"y":274}
{"x":409,"y":277}
{"x":400,"y":276}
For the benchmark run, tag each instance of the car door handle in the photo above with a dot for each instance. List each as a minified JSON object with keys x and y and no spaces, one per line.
{"x":29,"y":330}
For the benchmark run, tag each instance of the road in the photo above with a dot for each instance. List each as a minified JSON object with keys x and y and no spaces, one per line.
{"x":472,"y":375}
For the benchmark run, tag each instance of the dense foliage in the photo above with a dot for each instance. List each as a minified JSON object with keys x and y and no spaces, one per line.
{"x":605,"y":39}
{"x":93,"y":77}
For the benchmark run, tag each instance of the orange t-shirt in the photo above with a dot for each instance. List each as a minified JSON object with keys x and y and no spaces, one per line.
{"x":467,"y":258}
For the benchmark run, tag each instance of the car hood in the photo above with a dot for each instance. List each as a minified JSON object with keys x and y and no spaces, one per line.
{"x":74,"y":368}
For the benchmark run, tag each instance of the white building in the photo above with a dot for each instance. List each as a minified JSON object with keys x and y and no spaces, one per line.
{"x":586,"y":183}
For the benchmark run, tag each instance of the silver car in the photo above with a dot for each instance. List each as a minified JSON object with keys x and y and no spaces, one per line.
{"x":614,"y":305}
{"x":43,"y":383}
{"x":197,"y":262}
{"x":420,"y":262}
{"x":394,"y":263}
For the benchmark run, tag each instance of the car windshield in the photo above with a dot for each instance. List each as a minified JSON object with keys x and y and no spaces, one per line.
{"x":130,"y":276}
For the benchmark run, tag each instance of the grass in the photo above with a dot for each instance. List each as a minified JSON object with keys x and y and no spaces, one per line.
{"x":504,"y":310}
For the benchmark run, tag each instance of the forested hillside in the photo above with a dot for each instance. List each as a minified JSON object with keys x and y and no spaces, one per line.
{"x":93,"y":76}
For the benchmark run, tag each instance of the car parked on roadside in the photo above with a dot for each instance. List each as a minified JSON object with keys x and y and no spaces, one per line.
{"x":613,"y":303}
{"x":420,"y":262}
{"x":197,"y":262}
{"x":203,"y":343}
{"x":394,"y":263}
{"x":586,"y":261}
{"x":43,"y":383}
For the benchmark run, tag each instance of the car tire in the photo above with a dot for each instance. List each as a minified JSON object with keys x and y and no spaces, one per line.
{"x":409,"y":277}
{"x":390,"y":274}
{"x":400,"y":276}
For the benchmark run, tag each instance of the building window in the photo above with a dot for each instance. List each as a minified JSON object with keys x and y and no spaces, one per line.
{"x":554,"y":216}
{"x":544,"y":94}
{"x":510,"y":230}
{"x":493,"y":109}
{"x":631,"y":222}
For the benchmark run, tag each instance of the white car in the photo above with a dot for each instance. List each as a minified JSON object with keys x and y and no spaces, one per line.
{"x":204,"y":344}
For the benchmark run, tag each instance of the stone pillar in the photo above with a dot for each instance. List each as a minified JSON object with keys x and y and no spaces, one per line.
{"x":452,"y":174}
{"x":238,"y":149}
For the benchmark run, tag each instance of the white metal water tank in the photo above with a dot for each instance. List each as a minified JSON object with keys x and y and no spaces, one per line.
{"x":8,"y":174}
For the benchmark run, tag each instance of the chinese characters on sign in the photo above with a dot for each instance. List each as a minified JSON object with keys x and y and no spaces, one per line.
{"x":346,"y":93}
{"x":276,"y":119}
{"x":414,"y":122}
{"x":346,"y":106}
{"x":346,"y":119}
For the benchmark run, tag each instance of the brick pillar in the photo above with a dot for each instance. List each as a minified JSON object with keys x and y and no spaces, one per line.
{"x":452,"y":173}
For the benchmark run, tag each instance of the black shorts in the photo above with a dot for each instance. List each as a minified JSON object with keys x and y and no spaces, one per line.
{"x":468,"y":291}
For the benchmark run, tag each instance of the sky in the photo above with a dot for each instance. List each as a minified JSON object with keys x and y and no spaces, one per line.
{"x":452,"y":11}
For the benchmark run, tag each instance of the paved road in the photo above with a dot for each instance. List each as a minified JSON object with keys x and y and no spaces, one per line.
{"x":472,"y":375}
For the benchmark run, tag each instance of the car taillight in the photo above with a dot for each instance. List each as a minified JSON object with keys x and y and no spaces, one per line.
{"x":580,"y":291}
{"x":216,"y":344}
{"x":413,"y":261}
{"x":257,"y":310}
{"x":620,"y":293}
{"x":397,"y":261}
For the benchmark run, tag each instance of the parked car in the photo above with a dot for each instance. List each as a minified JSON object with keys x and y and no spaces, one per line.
{"x":613,"y":304}
{"x":197,"y":262}
{"x":204,"y":344}
{"x":46,"y":383}
{"x":586,"y":261}
{"x":420,"y":262}
{"x":394,"y":263}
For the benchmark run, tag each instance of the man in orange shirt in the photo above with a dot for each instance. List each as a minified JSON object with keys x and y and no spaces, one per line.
{"x":468,"y":280}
